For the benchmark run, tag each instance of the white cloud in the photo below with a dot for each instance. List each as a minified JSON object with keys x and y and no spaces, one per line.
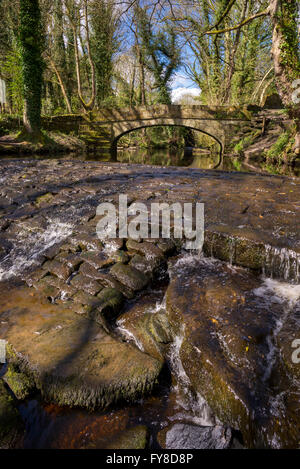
{"x":181,"y":91}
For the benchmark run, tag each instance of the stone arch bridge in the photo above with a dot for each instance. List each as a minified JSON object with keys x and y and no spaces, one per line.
{"x":104,"y":127}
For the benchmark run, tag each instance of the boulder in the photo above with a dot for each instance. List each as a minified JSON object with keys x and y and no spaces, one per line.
{"x":129,"y":276}
{"x":149,"y":250}
{"x":70,"y":358}
{"x":148,"y":324}
{"x":187,"y":436}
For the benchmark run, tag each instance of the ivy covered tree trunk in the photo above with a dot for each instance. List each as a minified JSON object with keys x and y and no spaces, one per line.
{"x":31,"y":41}
{"x":285,"y":52}
{"x":103,"y":45}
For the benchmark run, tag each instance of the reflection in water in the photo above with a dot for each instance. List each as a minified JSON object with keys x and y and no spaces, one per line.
{"x":160,"y":157}
{"x":205,"y":161}
{"x":200,"y":159}
{"x":187,"y":157}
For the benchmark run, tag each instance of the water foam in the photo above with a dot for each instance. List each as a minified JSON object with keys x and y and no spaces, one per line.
{"x":29,"y":246}
{"x":288,"y":295}
{"x":195,"y":406}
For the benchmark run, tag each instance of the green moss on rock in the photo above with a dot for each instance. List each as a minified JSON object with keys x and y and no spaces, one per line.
{"x":11,"y":427}
{"x":18,"y":382}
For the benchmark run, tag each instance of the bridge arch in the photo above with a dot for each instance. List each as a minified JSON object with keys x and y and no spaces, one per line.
{"x":213,"y":129}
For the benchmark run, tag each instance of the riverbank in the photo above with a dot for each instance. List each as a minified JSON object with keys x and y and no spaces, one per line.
{"x":54,"y":143}
{"x":84,"y":329}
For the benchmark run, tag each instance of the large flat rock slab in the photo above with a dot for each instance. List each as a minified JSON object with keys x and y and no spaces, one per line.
{"x":70,"y":359}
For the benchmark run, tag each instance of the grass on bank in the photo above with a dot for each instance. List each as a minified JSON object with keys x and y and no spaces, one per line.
{"x":281,"y":150}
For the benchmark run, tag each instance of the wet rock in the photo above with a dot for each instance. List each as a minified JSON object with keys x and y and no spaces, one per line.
{"x":4,"y":224}
{"x":84,"y":298}
{"x":61,"y":270}
{"x":225,"y":328}
{"x":289,"y":343}
{"x":71,"y":360}
{"x":149,"y":250}
{"x":167,"y":246}
{"x":103,"y":308}
{"x":51,"y":252}
{"x":146,"y":322}
{"x":129,"y":276}
{"x":242,"y":252}
{"x":96,"y":259}
{"x":47,"y":288}
{"x":186,"y":436}
{"x":11,"y":428}
{"x":88,"y":270}
{"x":70,"y":248}
{"x":113,"y":244}
{"x":147,"y":266}
{"x":44,"y":199}
{"x":82,"y":309}
{"x":108,"y":280}
{"x":82,"y":282}
{"x":33,"y":277}
{"x":110,"y":302}
{"x":72,"y":260}
{"x":64,"y":289}
{"x":86,"y":242}
{"x":120,"y":256}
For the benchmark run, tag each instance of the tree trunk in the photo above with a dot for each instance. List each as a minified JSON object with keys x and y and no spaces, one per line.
{"x":32,"y":65}
{"x":61,"y":84}
{"x":88,"y":106}
{"x":132,"y":85}
{"x":232,"y":54}
{"x":142,"y":74}
{"x":285,"y":55}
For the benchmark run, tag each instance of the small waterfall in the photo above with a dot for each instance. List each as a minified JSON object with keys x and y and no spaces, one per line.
{"x":282,"y":261}
{"x":287,"y":294}
{"x":128,"y":336}
{"x":195,"y":408}
{"x":29,"y":247}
